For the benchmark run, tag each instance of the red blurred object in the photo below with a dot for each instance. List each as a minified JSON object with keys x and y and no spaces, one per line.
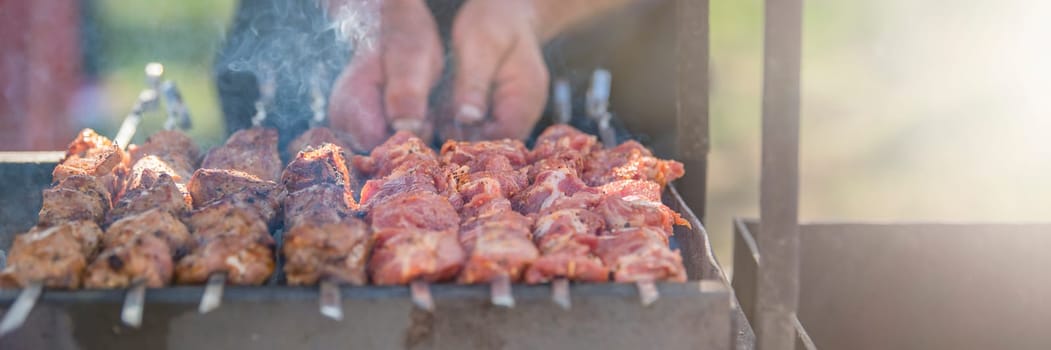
{"x":40,"y":66}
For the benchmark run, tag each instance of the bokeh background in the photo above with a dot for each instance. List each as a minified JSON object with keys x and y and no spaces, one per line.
{"x":912,"y":110}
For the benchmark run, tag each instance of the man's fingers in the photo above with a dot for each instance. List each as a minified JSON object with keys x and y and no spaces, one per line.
{"x":412,"y":62}
{"x":520,"y":93}
{"x":477,"y":57}
{"x":355,"y":106}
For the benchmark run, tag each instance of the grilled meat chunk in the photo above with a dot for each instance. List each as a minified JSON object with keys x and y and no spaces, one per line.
{"x":559,"y":139}
{"x":633,"y":211}
{"x":549,"y":187}
{"x":640,"y":254}
{"x":229,"y":219}
{"x":315,"y":137}
{"x":486,"y":155}
{"x":252,"y":151}
{"x":214,"y":185}
{"x":401,"y":149}
{"x":161,"y":194}
{"x":55,"y":256}
{"x":168,"y":144}
{"x":78,"y":197}
{"x":157,"y":223}
{"x":144,"y":257}
{"x":630,"y":161}
{"x":325,"y":249}
{"x":243,"y":263}
{"x":93,"y":155}
{"x":402,"y":255}
{"x":321,"y":165}
{"x":313,"y":202}
{"x":414,"y":210}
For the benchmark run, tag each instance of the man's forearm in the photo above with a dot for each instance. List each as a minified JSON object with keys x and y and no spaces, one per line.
{"x":556,"y":16}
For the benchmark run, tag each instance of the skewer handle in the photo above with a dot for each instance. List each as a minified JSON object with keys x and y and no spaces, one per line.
{"x":131,"y":313}
{"x":178,"y":114}
{"x":560,"y":293}
{"x":563,"y":102}
{"x":18,"y":313}
{"x":500,"y":292}
{"x":421,"y":295}
{"x":331,"y":301}
{"x":648,"y":293}
{"x":213,"y":293}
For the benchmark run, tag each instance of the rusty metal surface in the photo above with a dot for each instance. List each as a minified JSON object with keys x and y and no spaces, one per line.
{"x":697,"y":314}
{"x":919,"y":285}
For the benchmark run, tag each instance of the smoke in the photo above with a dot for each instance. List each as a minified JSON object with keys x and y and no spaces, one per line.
{"x":298,"y":48}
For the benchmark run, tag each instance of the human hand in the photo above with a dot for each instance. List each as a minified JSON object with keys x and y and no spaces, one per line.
{"x":385,"y":87}
{"x":501,"y":81}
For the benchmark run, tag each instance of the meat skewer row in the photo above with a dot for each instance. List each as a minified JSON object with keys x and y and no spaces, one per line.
{"x":236,"y":200}
{"x":414,"y":222}
{"x":496,"y":239}
{"x":578,"y":226}
{"x":55,"y":252}
{"x":145,"y":236}
{"x":324,"y":241}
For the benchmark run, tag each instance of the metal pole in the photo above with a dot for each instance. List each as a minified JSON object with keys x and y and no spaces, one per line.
{"x":777,"y":291}
{"x":692,"y":100}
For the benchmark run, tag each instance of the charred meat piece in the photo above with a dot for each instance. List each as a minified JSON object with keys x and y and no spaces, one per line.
{"x":156,"y":223}
{"x":403,"y":255}
{"x":214,"y":185}
{"x":315,"y":137}
{"x":144,"y":257}
{"x":327,"y":199}
{"x":414,"y":210}
{"x":78,"y":197}
{"x":485,"y":155}
{"x":148,"y":169}
{"x":630,"y":161}
{"x":253,"y":151}
{"x":168,"y":144}
{"x":379,"y":190}
{"x":161,"y":194}
{"x":335,"y":251}
{"x":633,"y":189}
{"x":223,"y":220}
{"x":321,"y":165}
{"x":244,"y":263}
{"x":93,"y":155}
{"x":640,"y":254}
{"x":55,"y":256}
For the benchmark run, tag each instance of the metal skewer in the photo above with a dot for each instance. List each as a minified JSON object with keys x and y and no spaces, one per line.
{"x":267,"y":88}
{"x":213,"y":293}
{"x":560,"y":293}
{"x":331,"y":301}
{"x":598,"y":106}
{"x":18,"y":313}
{"x":318,"y":100}
{"x":563,"y":98}
{"x":131,"y":312}
{"x":421,"y":295}
{"x":178,"y":114}
{"x":500,"y":292}
{"x":147,"y":101}
{"x":648,"y":293}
